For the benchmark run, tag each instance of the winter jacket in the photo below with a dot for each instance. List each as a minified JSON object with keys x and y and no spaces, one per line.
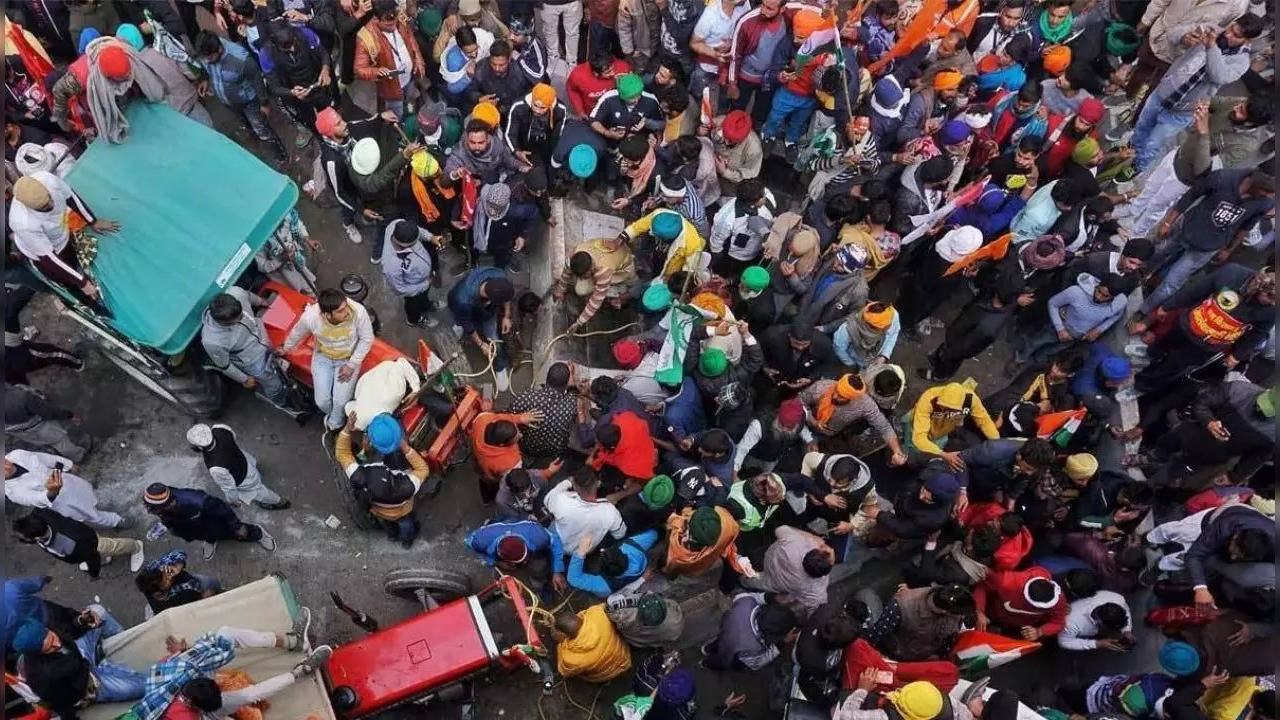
{"x":1220,"y":69}
{"x":1258,"y":318}
{"x":489,"y":166}
{"x":465,"y":305}
{"x":912,"y":199}
{"x":1234,"y":404}
{"x":832,"y":297}
{"x":484,"y":540}
{"x":639,"y":26}
{"x":988,"y":467}
{"x":912,"y":518}
{"x":239,"y":349}
{"x":508,"y":87}
{"x":1170,"y":20}
{"x":374,"y":52}
{"x":1219,"y":526}
{"x":407,"y":270}
{"x":22,"y":602}
{"x":1001,"y":597}
{"x":527,"y":132}
{"x":1075,"y":310}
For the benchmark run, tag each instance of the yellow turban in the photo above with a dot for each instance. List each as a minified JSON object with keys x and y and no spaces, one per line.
{"x":919,"y":700}
{"x":487,"y":113}
{"x":878,"y":315}
{"x":1081,"y":466}
{"x":544,"y":94}
{"x":31,"y":192}
{"x":947,"y":80}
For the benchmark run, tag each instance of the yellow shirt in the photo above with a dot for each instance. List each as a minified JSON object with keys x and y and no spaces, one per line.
{"x":685,"y":249}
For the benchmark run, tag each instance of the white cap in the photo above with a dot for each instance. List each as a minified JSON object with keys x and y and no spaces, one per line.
{"x":365,"y":156}
{"x":200,"y":435}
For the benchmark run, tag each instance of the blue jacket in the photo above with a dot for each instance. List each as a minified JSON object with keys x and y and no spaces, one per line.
{"x":684,"y":415}
{"x":22,"y":601}
{"x":992,"y":224}
{"x":635,"y":548}
{"x":1088,"y":379}
{"x":484,"y":540}
{"x":1216,"y":533}
{"x":464,"y":299}
{"x":197,"y":515}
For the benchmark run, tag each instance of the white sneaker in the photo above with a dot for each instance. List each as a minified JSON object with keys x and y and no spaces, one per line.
{"x":503,"y":379}
{"x":353,"y":234}
{"x":210,"y":549}
{"x":267,"y":542}
{"x":136,"y":560}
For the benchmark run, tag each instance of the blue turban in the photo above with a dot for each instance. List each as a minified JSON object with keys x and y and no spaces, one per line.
{"x":30,"y":636}
{"x":676,"y":688}
{"x":1116,"y":368}
{"x":87,"y":36}
{"x":666,"y":225}
{"x":384,"y":433}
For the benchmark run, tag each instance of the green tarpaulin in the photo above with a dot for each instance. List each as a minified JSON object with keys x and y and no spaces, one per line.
{"x":193,"y":206}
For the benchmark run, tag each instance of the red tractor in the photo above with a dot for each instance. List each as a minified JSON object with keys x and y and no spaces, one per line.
{"x":435,"y":420}
{"x":431,"y":656}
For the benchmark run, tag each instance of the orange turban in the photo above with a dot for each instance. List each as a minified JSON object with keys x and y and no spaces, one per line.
{"x":544,"y":94}
{"x":947,"y":80}
{"x":878,"y":315}
{"x":488,"y":114}
{"x":847,"y":388}
{"x":1056,"y":59}
{"x":805,"y":22}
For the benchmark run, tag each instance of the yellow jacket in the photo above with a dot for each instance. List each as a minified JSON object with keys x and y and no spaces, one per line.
{"x":685,"y":250}
{"x":956,"y":403}
{"x":598,"y":653}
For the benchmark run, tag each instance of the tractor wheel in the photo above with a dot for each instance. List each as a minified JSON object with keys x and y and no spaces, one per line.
{"x":442,"y":585}
{"x":197,"y":391}
{"x":359,"y":514}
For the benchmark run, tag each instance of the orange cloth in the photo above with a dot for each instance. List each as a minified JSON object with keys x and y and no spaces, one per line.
{"x":493,"y":460}
{"x":682,"y":560}
{"x":827,"y":403}
{"x":994,"y":250}
{"x":932,"y":21}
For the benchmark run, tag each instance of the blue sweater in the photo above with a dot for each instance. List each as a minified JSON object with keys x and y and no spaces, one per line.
{"x":634,"y":548}
{"x":22,"y":601}
{"x":1075,"y":311}
{"x":484,"y":540}
{"x":683,"y":414}
{"x":464,"y":299}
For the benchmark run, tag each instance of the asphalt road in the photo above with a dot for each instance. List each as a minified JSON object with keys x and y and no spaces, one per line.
{"x":141,"y":440}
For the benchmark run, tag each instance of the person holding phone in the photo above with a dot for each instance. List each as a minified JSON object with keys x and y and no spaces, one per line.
{"x":42,"y":480}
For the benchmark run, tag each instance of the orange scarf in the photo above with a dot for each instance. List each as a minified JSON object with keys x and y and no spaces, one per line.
{"x":827,"y":403}
{"x":425,"y":205}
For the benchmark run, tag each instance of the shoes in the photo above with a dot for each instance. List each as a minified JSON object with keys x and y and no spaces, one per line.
{"x":406,"y":543}
{"x":210,"y":549}
{"x":503,"y":380}
{"x":157,"y":531}
{"x":426,"y":321}
{"x":317,"y":658}
{"x":282,"y":505}
{"x":267,"y":542}
{"x":136,"y":559}
{"x":353,"y":234}
{"x":296,"y":638}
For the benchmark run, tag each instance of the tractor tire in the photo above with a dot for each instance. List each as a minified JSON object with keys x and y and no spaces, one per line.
{"x":359,"y":514}
{"x":197,"y":391}
{"x":443,"y":585}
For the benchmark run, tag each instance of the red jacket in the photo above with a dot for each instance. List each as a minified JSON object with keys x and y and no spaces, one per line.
{"x":585,"y":88}
{"x":635,"y":456}
{"x":1001,"y":598}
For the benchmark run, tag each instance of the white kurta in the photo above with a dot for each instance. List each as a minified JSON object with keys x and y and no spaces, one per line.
{"x":76,"y":500}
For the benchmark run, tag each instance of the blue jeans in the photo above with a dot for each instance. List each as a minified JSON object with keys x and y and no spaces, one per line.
{"x":116,"y":682}
{"x":1155,"y":130}
{"x":791,"y":109}
{"x":270,"y":379}
{"x":332,"y":394}
{"x":1176,"y":275}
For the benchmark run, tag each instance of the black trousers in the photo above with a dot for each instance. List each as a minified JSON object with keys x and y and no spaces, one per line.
{"x":417,"y":306}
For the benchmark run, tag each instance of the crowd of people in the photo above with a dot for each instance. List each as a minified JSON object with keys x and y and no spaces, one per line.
{"x":808,"y":190}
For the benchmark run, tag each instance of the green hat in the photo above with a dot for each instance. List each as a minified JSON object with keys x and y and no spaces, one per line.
{"x":450,"y":131}
{"x":1122,"y":40}
{"x":755,"y":278}
{"x":713,"y":362}
{"x":429,"y":21}
{"x":1267,"y":403}
{"x":652,"y":610}
{"x":656,"y":298}
{"x":666,"y":225}
{"x":130,"y":33}
{"x":629,"y":86}
{"x":671,"y":377}
{"x":704,"y":526}
{"x":1084,"y":150}
{"x":658,"y":492}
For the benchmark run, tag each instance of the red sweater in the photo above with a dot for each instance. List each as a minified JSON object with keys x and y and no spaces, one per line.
{"x":585,"y":88}
{"x":635,"y":456}
{"x":1000,"y":597}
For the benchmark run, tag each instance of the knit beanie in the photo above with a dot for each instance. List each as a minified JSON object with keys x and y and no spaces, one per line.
{"x":677,"y":688}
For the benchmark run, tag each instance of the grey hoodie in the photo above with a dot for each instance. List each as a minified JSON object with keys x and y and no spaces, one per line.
{"x":1075,"y":311}
{"x":239,"y":350}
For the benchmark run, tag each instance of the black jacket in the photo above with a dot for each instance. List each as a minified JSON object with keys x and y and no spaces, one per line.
{"x":779,"y":355}
{"x":509,"y":88}
{"x":84,"y":538}
{"x":539,"y":138}
{"x":60,"y":678}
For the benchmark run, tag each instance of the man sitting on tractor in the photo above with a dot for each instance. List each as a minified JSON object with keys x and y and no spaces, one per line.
{"x":390,"y":492}
{"x":343,"y":334}
{"x":236,"y":343}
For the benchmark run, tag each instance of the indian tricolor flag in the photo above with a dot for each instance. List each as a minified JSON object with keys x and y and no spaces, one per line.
{"x":1059,"y":427}
{"x":977,"y":651}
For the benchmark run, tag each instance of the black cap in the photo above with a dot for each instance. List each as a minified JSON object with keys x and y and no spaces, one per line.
{"x":406,"y":232}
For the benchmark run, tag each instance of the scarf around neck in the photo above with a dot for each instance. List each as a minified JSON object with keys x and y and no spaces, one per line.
{"x":1055,"y":35}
